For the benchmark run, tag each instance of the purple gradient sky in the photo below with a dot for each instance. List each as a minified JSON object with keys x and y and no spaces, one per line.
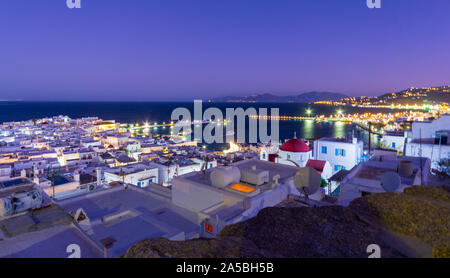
{"x":176,"y":50}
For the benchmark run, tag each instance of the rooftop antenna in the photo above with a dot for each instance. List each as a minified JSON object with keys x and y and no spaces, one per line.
{"x":205,"y":164}
{"x":53,"y":185}
{"x":390,"y":181}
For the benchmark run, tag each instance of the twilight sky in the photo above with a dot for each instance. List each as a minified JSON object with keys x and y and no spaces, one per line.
{"x":180,"y":49}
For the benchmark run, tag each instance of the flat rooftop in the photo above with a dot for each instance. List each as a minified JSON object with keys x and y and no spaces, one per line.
{"x":339,"y":140}
{"x":44,"y":233}
{"x":395,"y":133}
{"x":14,"y":186}
{"x":285,"y":171}
{"x":130,"y":215}
{"x":374,"y":169}
{"x":129,"y":169}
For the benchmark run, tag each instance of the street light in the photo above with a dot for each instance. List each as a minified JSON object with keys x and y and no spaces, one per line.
{"x":308,"y":111}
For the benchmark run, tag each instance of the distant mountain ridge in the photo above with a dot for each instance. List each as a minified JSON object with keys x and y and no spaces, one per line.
{"x":301,"y":98}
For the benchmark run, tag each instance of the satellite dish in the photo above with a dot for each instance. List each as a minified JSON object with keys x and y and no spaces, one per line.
{"x":390,"y":181}
{"x":307,"y":180}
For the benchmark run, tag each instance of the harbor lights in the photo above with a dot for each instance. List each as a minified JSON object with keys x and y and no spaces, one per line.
{"x":339,"y":112}
{"x":308,"y":112}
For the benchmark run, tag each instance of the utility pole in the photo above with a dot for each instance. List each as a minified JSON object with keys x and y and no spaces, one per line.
{"x":53,"y":184}
{"x":421,"y":167}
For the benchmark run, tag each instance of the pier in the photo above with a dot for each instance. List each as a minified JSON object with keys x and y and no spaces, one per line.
{"x":321,"y":119}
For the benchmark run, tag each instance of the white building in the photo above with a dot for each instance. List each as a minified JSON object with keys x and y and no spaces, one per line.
{"x":267,"y":152}
{"x":433,"y":148}
{"x":116,"y":140}
{"x":395,"y":140}
{"x":366,"y":177}
{"x":167,"y":171}
{"x":5,"y":172}
{"x":342,"y":154}
{"x":133,"y":149}
{"x":294,"y":152}
{"x":228,"y":195}
{"x":427,"y":129}
{"x":139,"y":174}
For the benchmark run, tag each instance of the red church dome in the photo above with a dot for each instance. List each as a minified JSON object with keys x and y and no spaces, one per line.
{"x":295,"y":146}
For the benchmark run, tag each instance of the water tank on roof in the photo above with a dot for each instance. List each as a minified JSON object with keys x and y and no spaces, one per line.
{"x":405,"y":168}
{"x":225,"y":176}
{"x":5,"y":207}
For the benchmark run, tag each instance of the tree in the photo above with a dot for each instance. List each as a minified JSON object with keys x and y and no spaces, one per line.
{"x":323,"y":183}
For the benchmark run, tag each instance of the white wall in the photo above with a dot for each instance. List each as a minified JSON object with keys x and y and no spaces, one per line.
{"x":352,"y":153}
{"x":398,"y":140}
{"x":132,"y":178}
{"x":300,"y":157}
{"x":428,"y":129}
{"x":431,"y":151}
{"x":166,"y":177}
{"x":194,"y":196}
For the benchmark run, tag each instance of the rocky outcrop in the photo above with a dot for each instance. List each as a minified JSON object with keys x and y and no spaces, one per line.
{"x":398,"y":223}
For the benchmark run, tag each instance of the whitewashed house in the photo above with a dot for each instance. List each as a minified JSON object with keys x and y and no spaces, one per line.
{"x":395,"y":140}
{"x":139,"y":174}
{"x":342,"y":154}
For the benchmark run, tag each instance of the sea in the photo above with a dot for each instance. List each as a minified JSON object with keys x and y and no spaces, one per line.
{"x":141,"y":112}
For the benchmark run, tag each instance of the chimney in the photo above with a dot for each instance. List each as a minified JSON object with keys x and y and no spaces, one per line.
{"x":76,"y":176}
{"x":99,"y":176}
{"x":354,"y":140}
{"x":23,"y":173}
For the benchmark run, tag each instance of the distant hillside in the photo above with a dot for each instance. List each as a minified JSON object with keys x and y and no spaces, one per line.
{"x":301,"y":98}
{"x":411,"y":96}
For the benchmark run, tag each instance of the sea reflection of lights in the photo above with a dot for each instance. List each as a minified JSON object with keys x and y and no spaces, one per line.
{"x":338,"y":130}
{"x":308,"y":129}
